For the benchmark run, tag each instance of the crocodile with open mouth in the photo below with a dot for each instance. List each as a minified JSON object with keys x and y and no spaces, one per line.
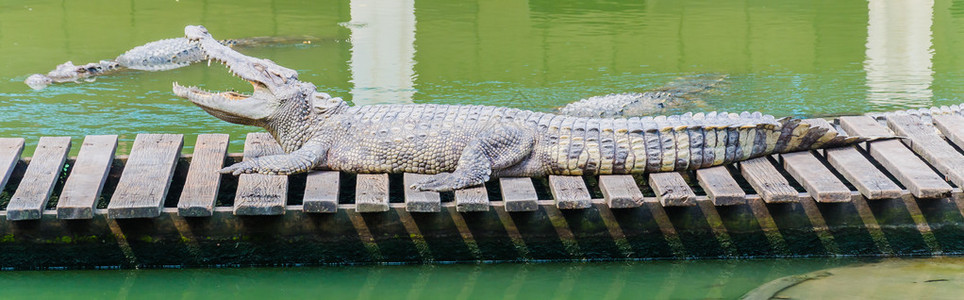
{"x":466,"y":145}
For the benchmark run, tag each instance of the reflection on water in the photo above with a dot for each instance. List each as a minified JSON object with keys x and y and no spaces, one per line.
{"x":382,"y":51}
{"x":800,"y":58}
{"x":708,"y":279}
{"x":899,"y":53}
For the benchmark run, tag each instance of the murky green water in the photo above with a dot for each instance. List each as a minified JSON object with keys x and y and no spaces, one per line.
{"x":630,"y":280}
{"x":803,"y":58}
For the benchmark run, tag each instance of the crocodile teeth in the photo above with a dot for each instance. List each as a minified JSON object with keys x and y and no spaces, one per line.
{"x":209,"y":62}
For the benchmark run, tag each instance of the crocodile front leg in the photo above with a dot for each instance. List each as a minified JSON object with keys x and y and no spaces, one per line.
{"x":310,"y":155}
{"x":495,"y":149}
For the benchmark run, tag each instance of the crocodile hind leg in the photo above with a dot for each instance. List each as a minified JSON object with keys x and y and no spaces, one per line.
{"x":495,"y":149}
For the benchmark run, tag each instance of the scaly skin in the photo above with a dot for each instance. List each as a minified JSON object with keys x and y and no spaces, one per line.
{"x":159,"y":55}
{"x":682,"y":93}
{"x":466,"y":145}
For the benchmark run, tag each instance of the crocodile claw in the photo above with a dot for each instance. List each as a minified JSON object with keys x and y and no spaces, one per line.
{"x":244,"y":167}
{"x":442,"y":182}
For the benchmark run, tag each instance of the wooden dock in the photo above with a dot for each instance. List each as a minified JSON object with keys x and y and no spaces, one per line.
{"x":157,"y":207}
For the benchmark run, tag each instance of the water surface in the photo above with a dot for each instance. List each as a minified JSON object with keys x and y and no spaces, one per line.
{"x":710,"y":279}
{"x":801,"y":58}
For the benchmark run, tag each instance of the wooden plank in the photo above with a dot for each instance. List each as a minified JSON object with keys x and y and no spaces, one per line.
{"x":767,"y":181}
{"x":952,"y":126}
{"x":30,"y":199}
{"x":321,"y":192}
{"x":671,"y":189}
{"x":620,"y":191}
{"x":420,"y":201}
{"x":922,"y":137}
{"x":569,"y":192}
{"x":817,"y":180}
{"x":203,"y":180}
{"x":143,"y":186}
{"x":371,"y":193}
{"x":261,"y":194}
{"x":472,"y":199}
{"x":87,"y":177}
{"x":720,"y":186}
{"x":913,"y":173}
{"x":822,"y":184}
{"x":10,"y":150}
{"x":858,"y":170}
{"x":869,"y":181}
{"x":518,"y":194}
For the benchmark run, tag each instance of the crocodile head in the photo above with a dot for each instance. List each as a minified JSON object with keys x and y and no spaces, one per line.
{"x":278,"y":98}
{"x":68,"y":72}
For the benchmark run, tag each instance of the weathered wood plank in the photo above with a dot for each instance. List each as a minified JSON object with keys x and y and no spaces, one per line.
{"x":87,"y":177}
{"x":822,"y":185}
{"x":38,"y":181}
{"x":767,"y":181}
{"x":472,"y":199}
{"x":519,"y":194}
{"x":420,"y":201}
{"x":952,"y":126}
{"x":922,"y":137}
{"x":143,"y":186}
{"x":858,"y":170}
{"x":720,"y":186}
{"x":569,"y":192}
{"x":261,"y":194}
{"x":620,"y":191}
{"x":203,"y":180}
{"x":371,"y":193}
{"x":321,"y":192}
{"x":671,"y":189}
{"x":10,"y":150}
{"x":817,"y":180}
{"x":913,"y":173}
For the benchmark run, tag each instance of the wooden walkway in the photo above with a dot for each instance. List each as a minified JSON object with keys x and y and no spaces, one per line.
{"x":923,"y":166}
{"x":156,"y":178}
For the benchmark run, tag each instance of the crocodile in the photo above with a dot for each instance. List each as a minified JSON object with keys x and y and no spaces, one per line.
{"x":679,"y":94}
{"x":168,"y":54}
{"x":466,"y":145}
{"x":158,"y":55}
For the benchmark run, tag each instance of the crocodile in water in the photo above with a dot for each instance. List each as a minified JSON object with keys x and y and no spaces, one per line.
{"x":159,"y":55}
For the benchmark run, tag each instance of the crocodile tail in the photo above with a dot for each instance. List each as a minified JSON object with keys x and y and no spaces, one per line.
{"x":800,"y":135}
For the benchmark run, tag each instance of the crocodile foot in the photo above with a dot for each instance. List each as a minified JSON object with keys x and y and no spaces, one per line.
{"x":252,"y":166}
{"x":442,"y":182}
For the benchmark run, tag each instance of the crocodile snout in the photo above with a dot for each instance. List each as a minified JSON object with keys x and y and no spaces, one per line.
{"x":195,"y":32}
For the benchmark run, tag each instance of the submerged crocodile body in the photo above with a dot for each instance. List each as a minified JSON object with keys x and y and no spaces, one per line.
{"x":159,"y":55}
{"x":466,"y":145}
{"x":680,"y":94}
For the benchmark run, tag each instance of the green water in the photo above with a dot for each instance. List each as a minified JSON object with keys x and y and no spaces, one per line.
{"x":801,"y":58}
{"x":630,"y":280}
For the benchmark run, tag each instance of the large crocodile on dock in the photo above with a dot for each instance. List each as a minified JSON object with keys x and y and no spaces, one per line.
{"x":158,"y":55}
{"x":466,"y":145}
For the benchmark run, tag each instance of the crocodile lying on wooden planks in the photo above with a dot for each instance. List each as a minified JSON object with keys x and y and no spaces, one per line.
{"x":159,"y":55}
{"x":466,"y":145}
